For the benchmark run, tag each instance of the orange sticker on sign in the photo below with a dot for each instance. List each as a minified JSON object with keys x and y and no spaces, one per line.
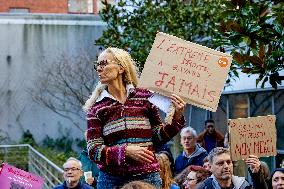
{"x":223,"y":62}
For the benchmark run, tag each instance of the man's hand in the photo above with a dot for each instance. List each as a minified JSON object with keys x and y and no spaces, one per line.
{"x":253,"y":162}
{"x":141,"y":154}
{"x":90,"y":180}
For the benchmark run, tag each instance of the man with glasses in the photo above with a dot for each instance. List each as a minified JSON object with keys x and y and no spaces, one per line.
{"x":72,"y":172}
{"x":192,"y":154}
{"x":210,"y":137}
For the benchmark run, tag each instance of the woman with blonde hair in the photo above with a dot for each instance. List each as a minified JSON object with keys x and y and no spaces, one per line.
{"x":166,"y":171}
{"x":123,"y":125}
{"x":138,"y":185}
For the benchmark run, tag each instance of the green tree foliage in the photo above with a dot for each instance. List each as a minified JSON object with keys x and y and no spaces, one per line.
{"x":254,"y":31}
{"x":251,"y":30}
{"x":132,"y":24}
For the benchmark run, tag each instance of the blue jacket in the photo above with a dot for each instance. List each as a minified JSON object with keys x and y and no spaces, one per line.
{"x":196,"y":158}
{"x":79,"y":186}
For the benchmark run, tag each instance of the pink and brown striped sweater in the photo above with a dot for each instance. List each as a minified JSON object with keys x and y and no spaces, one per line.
{"x":112,"y":126}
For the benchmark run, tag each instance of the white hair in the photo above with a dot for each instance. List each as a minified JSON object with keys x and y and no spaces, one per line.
{"x":73,"y":159}
{"x":188,"y":130}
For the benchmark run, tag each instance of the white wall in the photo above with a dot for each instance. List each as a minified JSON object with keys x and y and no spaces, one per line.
{"x":24,"y":40}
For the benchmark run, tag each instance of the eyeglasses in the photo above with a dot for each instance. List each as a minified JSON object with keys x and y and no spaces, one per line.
{"x":102,"y":63}
{"x":71,"y":169}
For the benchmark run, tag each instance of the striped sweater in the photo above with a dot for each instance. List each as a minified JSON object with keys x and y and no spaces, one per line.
{"x":112,"y":126}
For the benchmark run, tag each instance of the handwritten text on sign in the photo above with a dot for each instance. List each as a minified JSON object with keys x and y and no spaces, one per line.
{"x":256,"y":135}
{"x":12,"y":177}
{"x":192,"y":71}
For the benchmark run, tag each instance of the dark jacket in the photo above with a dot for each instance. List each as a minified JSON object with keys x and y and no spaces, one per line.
{"x":195,"y":159}
{"x":88,"y":165}
{"x":79,"y":186}
{"x":219,"y":139}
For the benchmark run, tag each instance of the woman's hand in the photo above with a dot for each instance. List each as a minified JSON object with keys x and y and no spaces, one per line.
{"x":179,"y":105}
{"x":141,"y":154}
{"x":253,"y":162}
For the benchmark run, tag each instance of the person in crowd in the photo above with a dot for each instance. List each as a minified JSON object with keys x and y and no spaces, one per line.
{"x":222,"y":176}
{"x":138,"y":185}
{"x":227,"y":140}
{"x":165,"y":147}
{"x":277,"y":179}
{"x":89,"y":166}
{"x":181,"y":177}
{"x":206,"y":163}
{"x":166,"y":171}
{"x":196,"y":175}
{"x":192,"y":154}
{"x":123,"y":126}
{"x":72,"y":172}
{"x":264,"y":170}
{"x":210,"y":137}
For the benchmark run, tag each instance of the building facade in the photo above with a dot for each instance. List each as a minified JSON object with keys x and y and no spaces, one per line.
{"x":52,"y":6}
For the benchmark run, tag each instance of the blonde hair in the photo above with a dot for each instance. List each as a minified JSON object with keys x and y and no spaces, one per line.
{"x":129,"y":76}
{"x":165,"y":170}
{"x":264,"y":170}
{"x":138,"y":185}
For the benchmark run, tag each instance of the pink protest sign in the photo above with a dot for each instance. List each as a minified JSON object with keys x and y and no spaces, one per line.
{"x":14,"y":178}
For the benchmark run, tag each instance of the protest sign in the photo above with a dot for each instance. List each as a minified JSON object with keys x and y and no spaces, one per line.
{"x":194,"y":72}
{"x":254,"y":135}
{"x":14,"y":178}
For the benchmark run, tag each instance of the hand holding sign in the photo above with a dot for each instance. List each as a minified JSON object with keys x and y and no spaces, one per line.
{"x":179,"y":106}
{"x":253,"y":162}
{"x":193,"y":72}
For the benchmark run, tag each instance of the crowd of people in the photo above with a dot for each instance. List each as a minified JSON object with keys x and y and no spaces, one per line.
{"x":125,"y":135}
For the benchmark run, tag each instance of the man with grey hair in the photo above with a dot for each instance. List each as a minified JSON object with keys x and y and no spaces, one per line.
{"x":222,"y":177}
{"x":72,"y":173}
{"x":192,"y":154}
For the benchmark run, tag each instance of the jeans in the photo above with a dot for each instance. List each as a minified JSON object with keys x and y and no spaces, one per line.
{"x":107,"y":181}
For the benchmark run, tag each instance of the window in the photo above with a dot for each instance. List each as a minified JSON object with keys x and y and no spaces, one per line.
{"x":19,"y":10}
{"x":220,"y":116}
{"x":279,"y":112}
{"x":197,"y":118}
{"x":260,"y":104}
{"x":80,"y":6}
{"x":238,"y":106}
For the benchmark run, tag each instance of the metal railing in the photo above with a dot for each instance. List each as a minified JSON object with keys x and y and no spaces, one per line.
{"x":27,"y":158}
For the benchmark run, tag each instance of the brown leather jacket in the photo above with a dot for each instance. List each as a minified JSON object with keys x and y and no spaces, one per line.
{"x":219,"y":139}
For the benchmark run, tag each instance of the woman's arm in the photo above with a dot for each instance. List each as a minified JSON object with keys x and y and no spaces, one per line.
{"x":162,"y":133}
{"x":97,"y":150}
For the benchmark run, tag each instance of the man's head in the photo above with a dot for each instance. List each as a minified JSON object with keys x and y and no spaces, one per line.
{"x":72,"y":171}
{"x":210,"y":126}
{"x":221,"y":164}
{"x":188,"y":138}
